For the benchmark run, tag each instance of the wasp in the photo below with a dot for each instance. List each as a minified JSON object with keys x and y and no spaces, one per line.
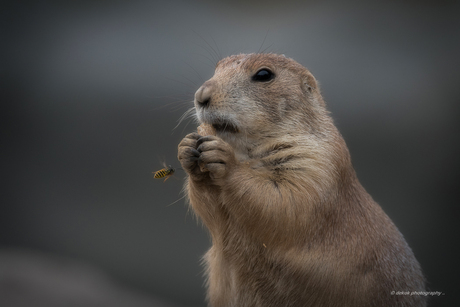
{"x":167,"y":172}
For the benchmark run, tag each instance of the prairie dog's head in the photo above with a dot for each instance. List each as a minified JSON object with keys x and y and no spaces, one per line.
{"x":257,"y":95}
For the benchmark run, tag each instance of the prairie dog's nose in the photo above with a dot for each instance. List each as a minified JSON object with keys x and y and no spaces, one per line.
{"x":203,"y":95}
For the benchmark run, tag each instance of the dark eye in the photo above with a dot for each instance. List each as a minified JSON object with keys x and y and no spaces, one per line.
{"x":263,"y":75}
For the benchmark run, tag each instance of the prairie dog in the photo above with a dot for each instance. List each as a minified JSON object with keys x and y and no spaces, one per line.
{"x":273,"y":183}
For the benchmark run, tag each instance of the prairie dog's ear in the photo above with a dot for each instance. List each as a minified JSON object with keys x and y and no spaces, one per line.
{"x":309,"y":83}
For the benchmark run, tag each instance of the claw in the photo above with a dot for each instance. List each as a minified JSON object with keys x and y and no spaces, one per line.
{"x":204,"y":139}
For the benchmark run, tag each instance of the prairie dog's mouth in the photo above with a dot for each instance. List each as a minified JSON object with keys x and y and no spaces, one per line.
{"x":225,"y":127}
{"x":220,"y":122}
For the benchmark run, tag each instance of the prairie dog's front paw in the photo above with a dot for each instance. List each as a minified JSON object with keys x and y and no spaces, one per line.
{"x":216,"y":156}
{"x":188,"y":155}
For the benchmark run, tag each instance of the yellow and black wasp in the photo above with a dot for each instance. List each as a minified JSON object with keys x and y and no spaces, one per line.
{"x":165,"y":172}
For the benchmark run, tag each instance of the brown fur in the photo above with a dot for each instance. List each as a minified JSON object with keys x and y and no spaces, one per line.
{"x":290,"y":223}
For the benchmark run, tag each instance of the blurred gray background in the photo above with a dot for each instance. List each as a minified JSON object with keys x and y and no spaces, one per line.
{"x":91,"y":92}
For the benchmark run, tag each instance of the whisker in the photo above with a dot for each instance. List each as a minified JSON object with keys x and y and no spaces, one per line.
{"x":199,"y":76}
{"x":184,"y":116}
{"x":263,"y":42}
{"x":175,"y":105}
{"x":191,"y":85}
{"x":219,"y":54}
{"x":190,"y":113}
{"x":188,"y":123}
{"x":176,"y":201}
{"x":269,"y":46}
{"x":214,"y":53}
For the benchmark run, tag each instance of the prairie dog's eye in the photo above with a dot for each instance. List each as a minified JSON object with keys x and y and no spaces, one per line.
{"x":263,"y":75}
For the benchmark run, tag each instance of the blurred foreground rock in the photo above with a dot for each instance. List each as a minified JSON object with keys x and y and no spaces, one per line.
{"x":29,"y":279}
